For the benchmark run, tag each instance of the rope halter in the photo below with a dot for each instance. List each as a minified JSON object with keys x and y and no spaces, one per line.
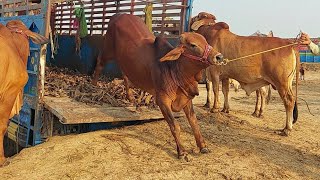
{"x":204,"y":58}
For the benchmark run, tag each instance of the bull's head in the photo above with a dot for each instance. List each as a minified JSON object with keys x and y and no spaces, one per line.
{"x":18,"y":27}
{"x":195,"y":47}
{"x":202,"y":19}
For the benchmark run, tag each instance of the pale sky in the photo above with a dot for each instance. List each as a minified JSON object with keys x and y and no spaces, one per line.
{"x":284,"y":17}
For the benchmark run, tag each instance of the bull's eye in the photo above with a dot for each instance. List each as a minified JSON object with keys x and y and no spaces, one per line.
{"x":193,"y":45}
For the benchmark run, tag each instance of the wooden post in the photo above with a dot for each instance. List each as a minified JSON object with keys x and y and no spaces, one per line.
{"x":103,"y":17}
{"x":132,"y":7}
{"x":163,"y":16}
{"x":43,"y":50}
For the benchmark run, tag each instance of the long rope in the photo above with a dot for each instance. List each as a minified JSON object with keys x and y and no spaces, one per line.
{"x":261,"y":52}
{"x":307,"y":105}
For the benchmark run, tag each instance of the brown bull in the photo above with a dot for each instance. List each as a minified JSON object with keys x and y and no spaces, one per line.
{"x":276,"y":68}
{"x":14,"y":52}
{"x":170,"y":74}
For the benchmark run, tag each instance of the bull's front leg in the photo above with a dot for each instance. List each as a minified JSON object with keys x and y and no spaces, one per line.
{"x":105,"y":55}
{"x":215,"y":85}
{"x":101,"y":62}
{"x":193,"y":121}
{"x":225,"y":90}
{"x":129,"y":92}
{"x":164,"y":104}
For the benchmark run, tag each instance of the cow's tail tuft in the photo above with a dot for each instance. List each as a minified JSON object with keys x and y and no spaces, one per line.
{"x":295,"y":113}
{"x":295,"y":109}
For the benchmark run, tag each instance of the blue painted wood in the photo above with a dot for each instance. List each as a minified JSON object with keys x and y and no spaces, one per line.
{"x":188,"y":14}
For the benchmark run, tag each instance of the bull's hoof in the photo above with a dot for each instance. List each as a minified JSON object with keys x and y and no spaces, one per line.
{"x":255,"y":114}
{"x":3,"y":162}
{"x":285,"y":132}
{"x":214,"y":110}
{"x":204,"y":150}
{"x":224,"y":110}
{"x":94,"y":83}
{"x":185,"y":157}
{"x":207,"y":105}
{"x":260,"y":116}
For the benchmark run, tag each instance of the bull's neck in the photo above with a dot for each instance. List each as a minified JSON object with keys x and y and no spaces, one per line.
{"x":181,"y":74}
{"x":189,"y":68}
{"x":203,"y":30}
{"x":22,"y":45}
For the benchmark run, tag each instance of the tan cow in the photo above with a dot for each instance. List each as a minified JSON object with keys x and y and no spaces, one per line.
{"x":170,"y":74}
{"x":14,"y":52}
{"x":276,"y":68}
{"x":263,"y":94}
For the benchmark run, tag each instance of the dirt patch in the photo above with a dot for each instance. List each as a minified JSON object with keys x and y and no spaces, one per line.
{"x":312,"y":66}
{"x":242,"y":146}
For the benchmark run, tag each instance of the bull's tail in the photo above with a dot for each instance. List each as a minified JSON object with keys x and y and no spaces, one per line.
{"x":295,"y":112}
{"x":295,"y":109}
{"x":269,"y":94}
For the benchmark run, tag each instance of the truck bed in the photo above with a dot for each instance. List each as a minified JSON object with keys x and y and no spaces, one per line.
{"x":70,"y":111}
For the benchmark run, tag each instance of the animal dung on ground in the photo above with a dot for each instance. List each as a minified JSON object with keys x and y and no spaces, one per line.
{"x":62,"y":82}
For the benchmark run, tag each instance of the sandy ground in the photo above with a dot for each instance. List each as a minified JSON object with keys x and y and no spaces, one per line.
{"x":242,"y":146}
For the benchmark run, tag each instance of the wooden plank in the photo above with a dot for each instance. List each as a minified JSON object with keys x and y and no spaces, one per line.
{"x":22,"y":8}
{"x":72,"y":112}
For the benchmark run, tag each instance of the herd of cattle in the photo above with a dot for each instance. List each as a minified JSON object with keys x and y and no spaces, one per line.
{"x":170,"y":74}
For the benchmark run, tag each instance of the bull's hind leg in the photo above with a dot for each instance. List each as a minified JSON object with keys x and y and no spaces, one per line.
{"x":3,"y":128}
{"x":263,"y":96}
{"x":5,"y":111}
{"x":215,"y":85}
{"x":105,"y":55}
{"x":256,"y":109}
{"x":288,"y":100}
{"x":209,"y":94}
{"x":225,"y":90}
{"x":193,"y":121}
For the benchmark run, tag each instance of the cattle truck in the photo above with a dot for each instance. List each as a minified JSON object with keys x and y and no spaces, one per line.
{"x":42,"y":116}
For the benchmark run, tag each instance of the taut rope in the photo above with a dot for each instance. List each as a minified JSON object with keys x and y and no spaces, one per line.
{"x":261,"y":52}
{"x":226,"y":61}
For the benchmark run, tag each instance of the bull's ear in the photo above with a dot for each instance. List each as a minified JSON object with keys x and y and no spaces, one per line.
{"x":36,"y":38}
{"x":173,"y":54}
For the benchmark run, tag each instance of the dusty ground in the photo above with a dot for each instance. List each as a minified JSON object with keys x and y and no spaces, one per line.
{"x":242,"y":147}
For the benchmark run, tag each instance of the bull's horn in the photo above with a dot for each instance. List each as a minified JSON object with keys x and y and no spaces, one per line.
{"x":196,"y":25}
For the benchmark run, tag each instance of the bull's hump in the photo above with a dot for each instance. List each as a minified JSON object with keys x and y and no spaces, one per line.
{"x":133,"y":26}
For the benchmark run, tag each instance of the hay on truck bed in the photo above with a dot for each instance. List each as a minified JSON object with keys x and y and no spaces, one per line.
{"x":72,"y":98}
{"x":62,"y":82}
